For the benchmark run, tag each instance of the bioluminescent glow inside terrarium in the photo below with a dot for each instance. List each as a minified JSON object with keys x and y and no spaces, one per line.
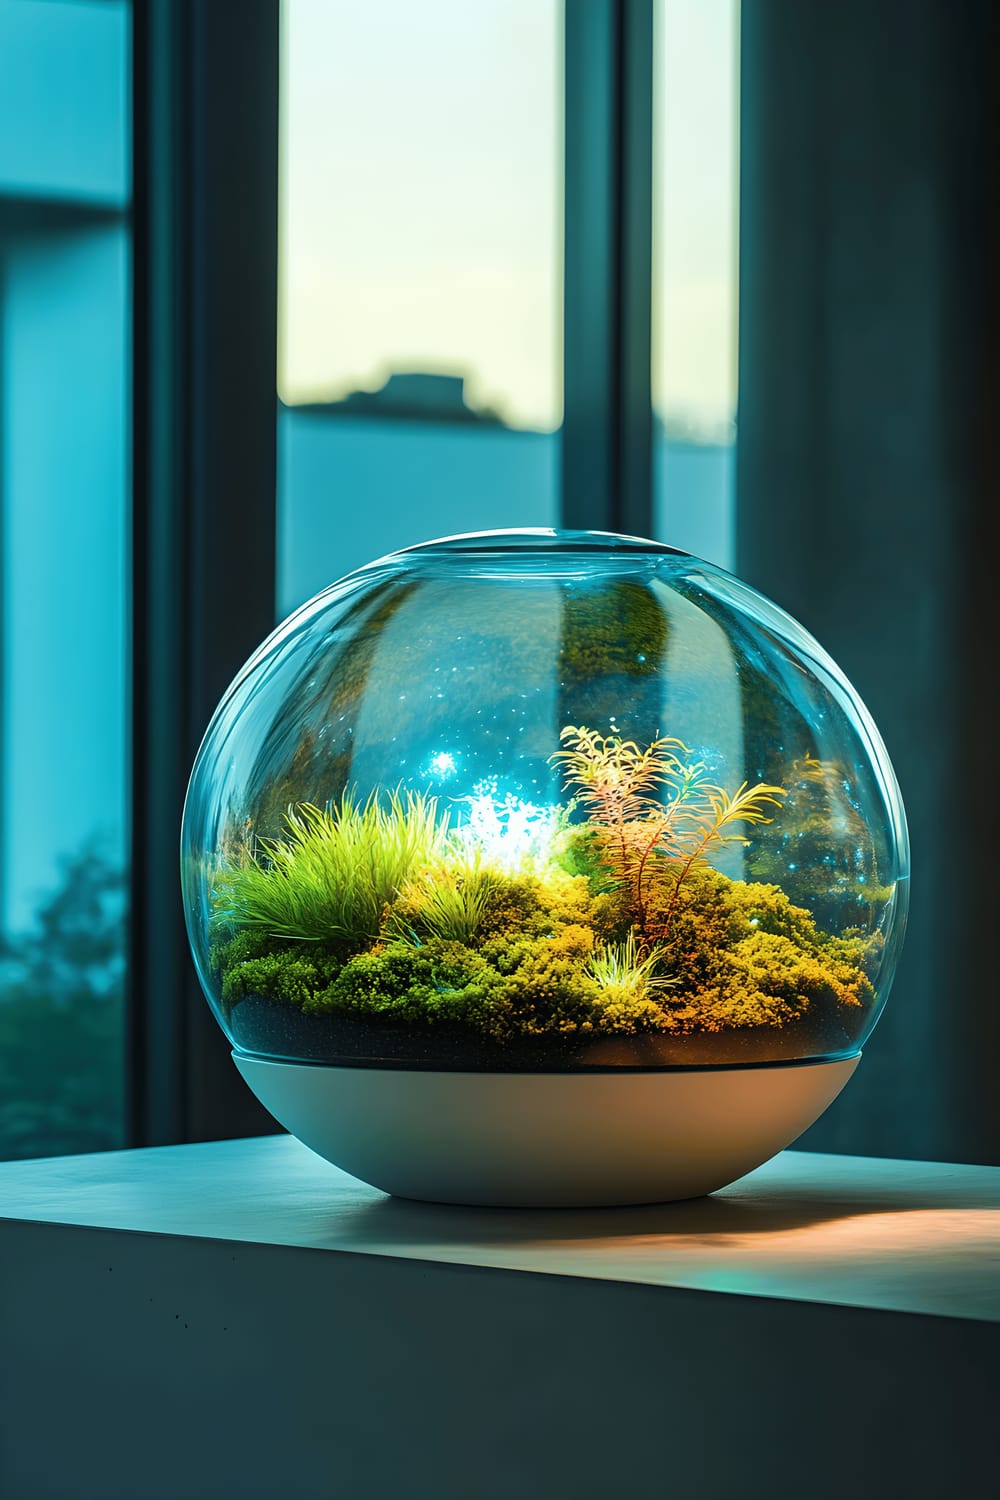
{"x":544,"y":867}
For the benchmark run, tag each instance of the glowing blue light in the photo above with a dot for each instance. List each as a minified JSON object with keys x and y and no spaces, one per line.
{"x":442,"y":765}
{"x":507,"y":832}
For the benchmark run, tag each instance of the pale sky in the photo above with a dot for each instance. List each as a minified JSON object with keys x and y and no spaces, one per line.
{"x":695,"y":207}
{"x":421,"y":218}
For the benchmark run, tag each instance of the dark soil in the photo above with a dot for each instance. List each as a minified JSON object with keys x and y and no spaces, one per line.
{"x":270,"y":1029}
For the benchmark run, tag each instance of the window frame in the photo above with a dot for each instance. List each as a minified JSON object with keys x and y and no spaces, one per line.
{"x":205,"y":230}
{"x":607,"y":460}
{"x":205,"y":151}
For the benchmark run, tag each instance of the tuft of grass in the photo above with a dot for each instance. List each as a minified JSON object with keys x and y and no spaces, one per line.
{"x":620,"y":967}
{"x":334,"y":873}
{"x":447,"y":901}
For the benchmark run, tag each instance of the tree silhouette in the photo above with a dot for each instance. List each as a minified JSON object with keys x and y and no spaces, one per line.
{"x":61,"y":1017}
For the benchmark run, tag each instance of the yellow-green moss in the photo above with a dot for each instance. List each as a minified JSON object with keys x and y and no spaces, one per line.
{"x":386,"y":913}
{"x":742,"y":955}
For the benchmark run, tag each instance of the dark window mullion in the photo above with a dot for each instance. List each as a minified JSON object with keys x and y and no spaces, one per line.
{"x":205,"y":310}
{"x":607,"y":425}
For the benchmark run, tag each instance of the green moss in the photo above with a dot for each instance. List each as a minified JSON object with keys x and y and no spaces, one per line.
{"x":435,"y":983}
{"x":743,"y":955}
{"x":293,"y":974}
{"x":620,"y":1011}
{"x":233,"y":948}
{"x":383,"y":912}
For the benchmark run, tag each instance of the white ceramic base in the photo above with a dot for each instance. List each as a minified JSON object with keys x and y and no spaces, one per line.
{"x":556,"y":1140}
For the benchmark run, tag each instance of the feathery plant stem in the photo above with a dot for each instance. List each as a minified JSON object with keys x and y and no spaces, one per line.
{"x":721,"y":812}
{"x":646,"y":834}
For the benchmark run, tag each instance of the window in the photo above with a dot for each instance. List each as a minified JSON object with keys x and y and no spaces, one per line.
{"x":695,"y":214}
{"x":453,"y":176}
{"x":420,"y":353}
{"x":64,"y":272}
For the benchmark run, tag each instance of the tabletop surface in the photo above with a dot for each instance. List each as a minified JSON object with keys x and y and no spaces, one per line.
{"x":906,"y":1236}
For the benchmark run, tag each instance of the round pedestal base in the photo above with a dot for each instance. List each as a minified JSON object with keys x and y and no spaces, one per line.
{"x":556,"y":1140}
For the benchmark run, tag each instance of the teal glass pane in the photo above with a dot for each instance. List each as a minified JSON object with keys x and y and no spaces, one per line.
{"x":64,"y":415}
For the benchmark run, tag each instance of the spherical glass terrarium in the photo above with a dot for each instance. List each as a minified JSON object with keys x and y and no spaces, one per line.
{"x":544,"y":867}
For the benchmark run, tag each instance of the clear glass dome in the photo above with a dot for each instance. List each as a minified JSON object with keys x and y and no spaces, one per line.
{"x":548,"y":801}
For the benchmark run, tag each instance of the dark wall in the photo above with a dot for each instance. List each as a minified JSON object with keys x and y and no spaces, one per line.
{"x":867,"y":475}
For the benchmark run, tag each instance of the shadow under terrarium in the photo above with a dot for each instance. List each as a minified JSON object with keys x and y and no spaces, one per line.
{"x":715,"y":1217}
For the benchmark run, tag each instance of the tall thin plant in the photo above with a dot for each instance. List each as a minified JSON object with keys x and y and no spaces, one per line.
{"x":713,"y":825}
{"x":656,"y":813}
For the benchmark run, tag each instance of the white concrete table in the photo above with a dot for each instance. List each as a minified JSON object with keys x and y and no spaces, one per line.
{"x":239,"y":1319}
